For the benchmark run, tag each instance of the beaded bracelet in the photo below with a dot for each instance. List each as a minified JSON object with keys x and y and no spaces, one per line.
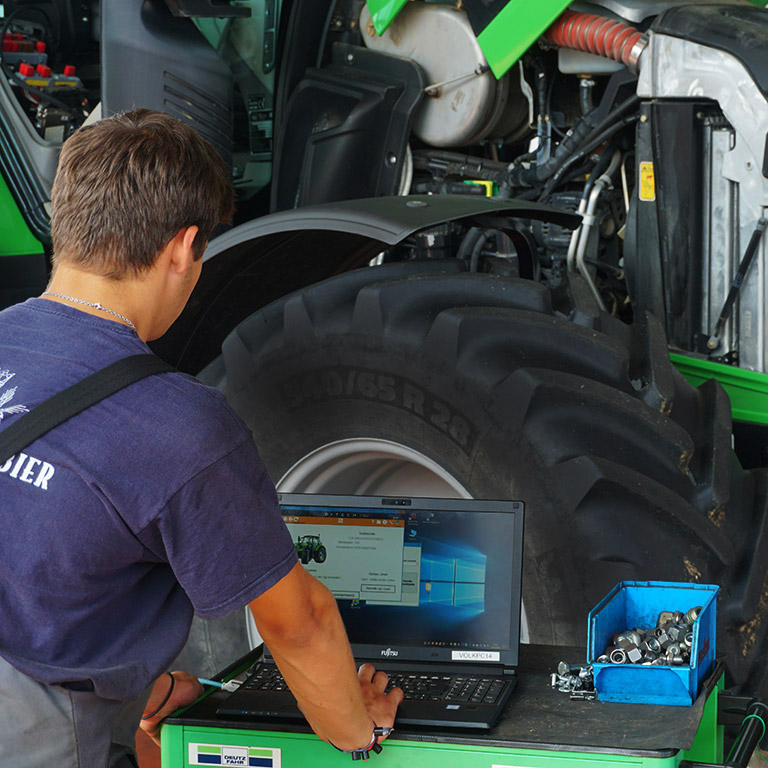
{"x":373,"y":745}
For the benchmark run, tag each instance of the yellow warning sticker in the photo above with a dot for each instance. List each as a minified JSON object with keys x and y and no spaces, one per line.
{"x":647,"y":182}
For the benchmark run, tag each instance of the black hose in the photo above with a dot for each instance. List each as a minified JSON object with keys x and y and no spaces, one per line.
{"x":588,"y":146}
{"x":580,"y":139}
{"x":603,"y":162}
{"x":456,"y":164}
{"x":468,"y":243}
{"x":474,"y":261}
{"x":750,"y":734}
{"x":531,"y":177}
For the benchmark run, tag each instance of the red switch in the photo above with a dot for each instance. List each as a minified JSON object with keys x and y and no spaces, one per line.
{"x":40,"y":46}
{"x":43,"y":70}
{"x":69,"y":70}
{"x":26,"y":70}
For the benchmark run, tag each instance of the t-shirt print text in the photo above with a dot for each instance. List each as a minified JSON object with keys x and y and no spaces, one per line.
{"x":25,"y":468}
{"x":28,"y":469}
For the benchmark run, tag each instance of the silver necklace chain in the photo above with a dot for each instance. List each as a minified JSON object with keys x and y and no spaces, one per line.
{"x":94,"y":304}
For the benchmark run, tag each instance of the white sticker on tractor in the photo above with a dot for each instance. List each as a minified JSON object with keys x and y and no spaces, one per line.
{"x":224,"y":754}
{"x":475,"y":656}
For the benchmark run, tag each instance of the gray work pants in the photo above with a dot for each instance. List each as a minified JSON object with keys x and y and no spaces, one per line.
{"x":47,"y":725}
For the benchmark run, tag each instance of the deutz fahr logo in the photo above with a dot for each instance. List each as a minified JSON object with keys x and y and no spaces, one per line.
{"x":390,"y":652}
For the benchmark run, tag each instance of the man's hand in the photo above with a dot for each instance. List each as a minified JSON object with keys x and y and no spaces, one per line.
{"x":300,"y":623}
{"x":183,"y":689}
{"x":381,"y":706}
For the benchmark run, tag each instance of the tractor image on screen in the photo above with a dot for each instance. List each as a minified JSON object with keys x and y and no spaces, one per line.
{"x":310,"y":547}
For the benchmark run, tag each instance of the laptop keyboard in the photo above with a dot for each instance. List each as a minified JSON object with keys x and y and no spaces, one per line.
{"x":416,"y":687}
{"x":266,"y":678}
{"x":472,"y":688}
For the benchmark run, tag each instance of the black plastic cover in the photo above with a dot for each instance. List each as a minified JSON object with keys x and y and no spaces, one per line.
{"x":264,"y":259}
{"x":152,"y":59}
{"x":345,"y":129}
{"x":741,"y":30}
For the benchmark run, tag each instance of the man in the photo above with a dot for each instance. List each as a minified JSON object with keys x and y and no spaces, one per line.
{"x":151,"y":503}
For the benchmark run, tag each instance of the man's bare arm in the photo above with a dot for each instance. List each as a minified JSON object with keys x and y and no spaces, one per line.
{"x":300,"y":623}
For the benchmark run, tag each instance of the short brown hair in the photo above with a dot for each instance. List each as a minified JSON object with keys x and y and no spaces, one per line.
{"x":127,"y":184}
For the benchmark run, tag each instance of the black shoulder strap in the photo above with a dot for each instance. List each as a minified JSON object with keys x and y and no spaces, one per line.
{"x":66,"y":404}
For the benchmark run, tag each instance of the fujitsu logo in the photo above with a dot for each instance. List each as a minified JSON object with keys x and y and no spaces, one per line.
{"x":390,"y":652}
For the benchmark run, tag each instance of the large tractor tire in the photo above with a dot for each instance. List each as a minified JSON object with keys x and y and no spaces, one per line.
{"x":422,"y":379}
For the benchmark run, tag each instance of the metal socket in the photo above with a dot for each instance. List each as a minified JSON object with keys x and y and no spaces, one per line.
{"x":692,"y":614}
{"x":665,"y":617}
{"x":618,"y":656}
{"x":651,"y":645}
{"x":634,"y":655}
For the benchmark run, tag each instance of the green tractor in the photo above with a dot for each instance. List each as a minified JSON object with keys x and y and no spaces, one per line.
{"x":483,"y":248}
{"x":310,"y":547}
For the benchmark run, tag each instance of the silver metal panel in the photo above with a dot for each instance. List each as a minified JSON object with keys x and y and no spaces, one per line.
{"x":459,"y":111}
{"x":675,"y":68}
{"x":637,"y":11}
{"x":720,"y":239}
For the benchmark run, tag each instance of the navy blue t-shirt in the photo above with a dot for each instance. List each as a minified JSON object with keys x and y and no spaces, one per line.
{"x":119,"y":522}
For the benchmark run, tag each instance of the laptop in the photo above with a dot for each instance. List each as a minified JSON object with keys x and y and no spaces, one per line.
{"x":429,"y":591}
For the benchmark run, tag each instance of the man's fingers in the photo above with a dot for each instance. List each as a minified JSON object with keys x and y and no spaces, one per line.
{"x":380,"y":680}
{"x":366,"y":673}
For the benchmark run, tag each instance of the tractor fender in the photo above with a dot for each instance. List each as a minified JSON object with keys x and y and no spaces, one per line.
{"x":267,"y":258}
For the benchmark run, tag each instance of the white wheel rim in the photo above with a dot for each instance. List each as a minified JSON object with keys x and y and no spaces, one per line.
{"x":370,"y":467}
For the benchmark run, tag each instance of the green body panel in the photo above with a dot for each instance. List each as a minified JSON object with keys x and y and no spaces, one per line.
{"x":516,"y":29}
{"x":304,"y":749}
{"x":181,"y":742}
{"x":383,"y":12}
{"x":708,"y":746}
{"x":748,"y":390}
{"x":505,"y":39}
{"x":15,"y":237}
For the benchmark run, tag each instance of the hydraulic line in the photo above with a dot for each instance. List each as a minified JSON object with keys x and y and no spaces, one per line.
{"x":714,"y":340}
{"x":604,"y":182}
{"x":598,"y":35}
{"x":597,"y":171}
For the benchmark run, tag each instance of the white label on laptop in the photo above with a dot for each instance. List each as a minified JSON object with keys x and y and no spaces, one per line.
{"x":475,"y":656}
{"x":225,"y":754}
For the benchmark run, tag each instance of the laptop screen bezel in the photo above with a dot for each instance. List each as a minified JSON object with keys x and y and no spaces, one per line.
{"x":508,"y":658}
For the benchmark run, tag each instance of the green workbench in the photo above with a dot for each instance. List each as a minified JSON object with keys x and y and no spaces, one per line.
{"x":540,"y":728}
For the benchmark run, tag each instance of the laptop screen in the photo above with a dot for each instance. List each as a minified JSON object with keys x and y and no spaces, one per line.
{"x":417,"y":579}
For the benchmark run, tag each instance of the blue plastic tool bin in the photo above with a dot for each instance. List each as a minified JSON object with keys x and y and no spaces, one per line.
{"x":633,"y":604}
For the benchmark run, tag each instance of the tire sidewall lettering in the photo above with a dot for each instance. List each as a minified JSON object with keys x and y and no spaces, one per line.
{"x":338,"y":384}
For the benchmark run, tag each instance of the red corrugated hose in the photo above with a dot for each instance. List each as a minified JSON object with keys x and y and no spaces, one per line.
{"x":594,"y":34}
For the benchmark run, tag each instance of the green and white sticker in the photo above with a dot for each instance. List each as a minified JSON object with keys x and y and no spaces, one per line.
{"x":227,"y":754}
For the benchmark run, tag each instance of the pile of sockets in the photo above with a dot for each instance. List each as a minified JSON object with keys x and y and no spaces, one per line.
{"x":669,"y":642}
